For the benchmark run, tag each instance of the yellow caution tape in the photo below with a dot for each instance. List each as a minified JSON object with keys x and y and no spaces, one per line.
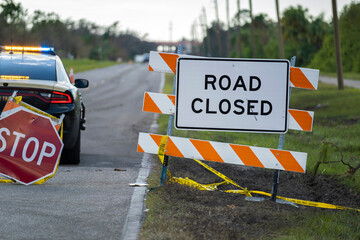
{"x":298,"y":201}
{"x":161,"y":152}
{"x":317,"y":204}
{"x":17,"y":99}
{"x":34,"y":109}
{"x":222,"y":176}
{"x":162,"y":148}
{"x":2,"y":180}
{"x":199,"y":186}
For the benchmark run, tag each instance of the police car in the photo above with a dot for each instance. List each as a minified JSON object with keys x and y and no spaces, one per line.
{"x":39,"y":76}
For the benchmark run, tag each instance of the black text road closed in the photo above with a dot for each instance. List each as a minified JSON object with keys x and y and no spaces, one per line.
{"x":232,"y":94}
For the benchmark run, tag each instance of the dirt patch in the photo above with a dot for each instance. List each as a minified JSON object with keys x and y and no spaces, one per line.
{"x":321,"y":188}
{"x":218,"y":215}
{"x":338,"y":120}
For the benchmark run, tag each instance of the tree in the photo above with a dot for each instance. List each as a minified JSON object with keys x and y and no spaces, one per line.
{"x":350,"y":35}
{"x":12,"y":22}
{"x":349,"y":24}
{"x":81,"y":39}
{"x":339,"y":70}
{"x":280,"y":35}
{"x":303,"y":34}
{"x":12,"y":12}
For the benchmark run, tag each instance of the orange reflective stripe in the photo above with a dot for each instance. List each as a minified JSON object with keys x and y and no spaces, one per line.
{"x":156,"y":138}
{"x":139,"y":149}
{"x":206,"y":150}
{"x":150,"y":105}
{"x":172,"y":98}
{"x":298,"y":79}
{"x":303,"y":118}
{"x":150,"y":68}
{"x":287,"y":160}
{"x":10,"y":105}
{"x":173,"y":150}
{"x":246,"y":155}
{"x":170,"y":60}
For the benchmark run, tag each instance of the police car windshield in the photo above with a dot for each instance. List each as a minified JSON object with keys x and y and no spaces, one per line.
{"x":36,"y":67}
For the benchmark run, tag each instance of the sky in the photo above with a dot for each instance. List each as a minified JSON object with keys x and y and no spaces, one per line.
{"x":155,"y":18}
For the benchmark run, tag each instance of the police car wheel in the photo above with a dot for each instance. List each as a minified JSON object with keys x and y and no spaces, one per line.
{"x":72,"y":156}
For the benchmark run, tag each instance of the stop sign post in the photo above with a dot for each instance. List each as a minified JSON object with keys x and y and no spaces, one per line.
{"x":30,"y":147}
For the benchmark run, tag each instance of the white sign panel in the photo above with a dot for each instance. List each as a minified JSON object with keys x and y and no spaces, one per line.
{"x":249,"y":95}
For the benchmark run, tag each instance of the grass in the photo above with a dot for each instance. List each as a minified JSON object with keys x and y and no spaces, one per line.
{"x":80,"y":65}
{"x":348,"y":75}
{"x":324,"y":225}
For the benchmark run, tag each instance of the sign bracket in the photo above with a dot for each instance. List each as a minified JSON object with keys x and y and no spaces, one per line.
{"x":170,"y":126}
{"x":280,"y":147}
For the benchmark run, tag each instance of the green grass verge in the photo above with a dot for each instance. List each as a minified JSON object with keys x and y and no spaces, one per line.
{"x":336,"y":135}
{"x":80,"y":65}
{"x":348,"y":75}
{"x":323,"y":225}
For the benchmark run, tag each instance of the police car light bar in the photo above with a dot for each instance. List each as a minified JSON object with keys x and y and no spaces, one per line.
{"x":28,"y":49}
{"x":13,"y":77}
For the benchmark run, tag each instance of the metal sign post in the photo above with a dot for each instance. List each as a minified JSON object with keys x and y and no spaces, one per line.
{"x":170,"y":126}
{"x":280,"y":147}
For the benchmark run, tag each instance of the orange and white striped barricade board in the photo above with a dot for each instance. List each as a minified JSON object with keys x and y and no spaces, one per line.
{"x":159,"y":103}
{"x":167,"y":62}
{"x":301,"y":120}
{"x":304,"y":78}
{"x":225,"y":152}
{"x":165,"y":104}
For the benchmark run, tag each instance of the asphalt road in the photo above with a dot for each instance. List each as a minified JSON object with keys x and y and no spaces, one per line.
{"x":333,"y":81}
{"x":91,"y":200}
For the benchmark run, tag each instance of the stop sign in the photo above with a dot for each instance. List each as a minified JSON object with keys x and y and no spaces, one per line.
{"x":30,"y":147}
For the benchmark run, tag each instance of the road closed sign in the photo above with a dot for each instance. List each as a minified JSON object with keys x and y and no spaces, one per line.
{"x":245,"y":95}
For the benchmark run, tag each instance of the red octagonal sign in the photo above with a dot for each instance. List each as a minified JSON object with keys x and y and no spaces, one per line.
{"x":30,"y":147}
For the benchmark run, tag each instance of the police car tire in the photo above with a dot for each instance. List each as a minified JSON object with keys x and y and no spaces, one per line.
{"x":72,"y":156}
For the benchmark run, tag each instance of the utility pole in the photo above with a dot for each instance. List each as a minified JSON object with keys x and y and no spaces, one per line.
{"x":195,"y":37}
{"x":206,"y":31}
{"x":239,"y":28}
{"x":281,"y":41}
{"x":170,"y":31}
{"x":228,"y":28}
{"x":337,"y":47}
{"x":218,"y":28}
{"x":253,"y":45}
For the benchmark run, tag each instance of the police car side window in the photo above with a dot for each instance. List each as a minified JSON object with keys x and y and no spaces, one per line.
{"x":61,"y":74}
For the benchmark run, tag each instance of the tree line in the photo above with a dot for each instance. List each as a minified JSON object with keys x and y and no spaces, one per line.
{"x":78,"y":39}
{"x":308,"y":37}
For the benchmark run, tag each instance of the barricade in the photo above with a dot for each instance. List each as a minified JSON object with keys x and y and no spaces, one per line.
{"x":168,"y":145}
